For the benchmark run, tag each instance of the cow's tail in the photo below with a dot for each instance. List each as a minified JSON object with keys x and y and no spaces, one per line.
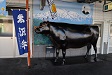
{"x":95,"y":31}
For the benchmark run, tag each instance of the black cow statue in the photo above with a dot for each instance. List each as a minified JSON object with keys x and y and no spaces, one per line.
{"x":64,"y":36}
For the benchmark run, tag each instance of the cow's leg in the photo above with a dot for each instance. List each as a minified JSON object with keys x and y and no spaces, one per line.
{"x":95,"y":49}
{"x":88,"y":48}
{"x":57,"y":55}
{"x":64,"y":53}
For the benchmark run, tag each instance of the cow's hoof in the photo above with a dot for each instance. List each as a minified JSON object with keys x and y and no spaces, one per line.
{"x":63,"y":63}
{"x":85,"y":56}
{"x":95,"y":59}
{"x":55,"y":60}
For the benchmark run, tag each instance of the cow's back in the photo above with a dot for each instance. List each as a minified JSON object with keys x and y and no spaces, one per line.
{"x":78,"y":27}
{"x":82,"y":36}
{"x":77,"y":35}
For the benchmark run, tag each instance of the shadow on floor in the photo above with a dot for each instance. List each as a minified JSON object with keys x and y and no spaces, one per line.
{"x":74,"y":60}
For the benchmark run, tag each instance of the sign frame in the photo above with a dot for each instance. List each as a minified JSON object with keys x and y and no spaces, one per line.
{"x":107,"y":7}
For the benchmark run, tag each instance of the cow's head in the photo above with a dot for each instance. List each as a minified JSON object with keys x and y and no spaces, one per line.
{"x":43,"y":28}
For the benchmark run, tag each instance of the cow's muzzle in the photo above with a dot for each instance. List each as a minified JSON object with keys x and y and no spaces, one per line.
{"x":37,"y":29}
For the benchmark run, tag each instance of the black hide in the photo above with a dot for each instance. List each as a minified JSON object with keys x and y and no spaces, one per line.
{"x":64,"y":36}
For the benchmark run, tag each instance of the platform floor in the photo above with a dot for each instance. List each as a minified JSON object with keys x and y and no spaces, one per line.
{"x":45,"y":66}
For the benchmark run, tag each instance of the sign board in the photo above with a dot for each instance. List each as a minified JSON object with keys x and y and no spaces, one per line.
{"x":21,"y":30}
{"x":107,"y":7}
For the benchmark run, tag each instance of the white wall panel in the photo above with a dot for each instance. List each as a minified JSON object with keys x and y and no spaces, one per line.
{"x":105,"y":17}
{"x":6,"y":47}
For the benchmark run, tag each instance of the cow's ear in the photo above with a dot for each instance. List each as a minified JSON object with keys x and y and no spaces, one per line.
{"x":47,"y":22}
